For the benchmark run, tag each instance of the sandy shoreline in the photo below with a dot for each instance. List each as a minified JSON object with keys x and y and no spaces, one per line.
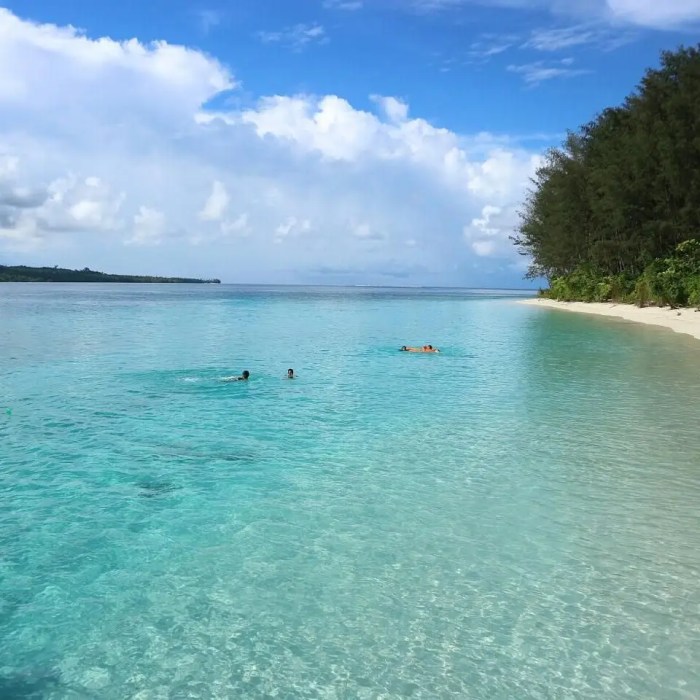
{"x":679,"y":320}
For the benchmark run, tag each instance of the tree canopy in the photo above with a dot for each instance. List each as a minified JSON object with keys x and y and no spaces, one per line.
{"x":623,"y":192}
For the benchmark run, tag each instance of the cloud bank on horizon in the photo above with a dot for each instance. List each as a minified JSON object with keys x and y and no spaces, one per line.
{"x":113,"y":155}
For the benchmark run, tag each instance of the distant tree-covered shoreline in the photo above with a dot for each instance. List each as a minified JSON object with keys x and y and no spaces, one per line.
{"x":22,"y":273}
{"x":614,"y":213}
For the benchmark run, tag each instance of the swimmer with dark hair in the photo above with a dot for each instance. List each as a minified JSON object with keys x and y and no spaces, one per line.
{"x":290,"y":374}
{"x":242,"y":378}
{"x":425,"y":348}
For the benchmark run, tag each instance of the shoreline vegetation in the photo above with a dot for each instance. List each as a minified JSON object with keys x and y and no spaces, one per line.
{"x":686,"y":321}
{"x":614,"y":213}
{"x":22,"y":273}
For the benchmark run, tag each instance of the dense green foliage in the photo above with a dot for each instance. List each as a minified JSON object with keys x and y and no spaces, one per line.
{"x":20,"y":273}
{"x":612,"y":211}
{"x":673,"y":280}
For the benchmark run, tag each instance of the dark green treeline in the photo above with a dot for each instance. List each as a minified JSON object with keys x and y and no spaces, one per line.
{"x":614,"y":213}
{"x":21,"y":273}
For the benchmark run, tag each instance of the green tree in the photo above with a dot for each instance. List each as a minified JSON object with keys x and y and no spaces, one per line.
{"x":623,"y":191}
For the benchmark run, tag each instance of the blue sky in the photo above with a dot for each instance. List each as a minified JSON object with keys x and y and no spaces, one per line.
{"x":315,"y":141}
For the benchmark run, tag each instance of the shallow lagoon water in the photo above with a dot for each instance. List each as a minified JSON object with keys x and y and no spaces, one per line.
{"x":516,"y":517}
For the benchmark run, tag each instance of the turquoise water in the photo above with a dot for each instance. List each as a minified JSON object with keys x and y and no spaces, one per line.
{"x":517,"y":517}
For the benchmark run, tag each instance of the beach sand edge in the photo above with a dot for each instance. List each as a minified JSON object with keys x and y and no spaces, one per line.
{"x":686,"y":320}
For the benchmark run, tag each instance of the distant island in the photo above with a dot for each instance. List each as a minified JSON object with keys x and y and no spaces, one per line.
{"x":21,"y":273}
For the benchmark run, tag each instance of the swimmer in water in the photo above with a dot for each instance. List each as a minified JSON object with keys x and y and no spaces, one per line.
{"x":242,"y":378}
{"x":425,"y":348}
{"x":290,"y":374}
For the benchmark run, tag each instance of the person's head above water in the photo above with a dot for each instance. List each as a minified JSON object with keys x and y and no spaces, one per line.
{"x":403,"y":348}
{"x":245,"y":375}
{"x":290,"y":374}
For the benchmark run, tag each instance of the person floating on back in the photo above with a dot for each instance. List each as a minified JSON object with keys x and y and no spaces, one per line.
{"x":425,"y":348}
{"x":290,"y":374}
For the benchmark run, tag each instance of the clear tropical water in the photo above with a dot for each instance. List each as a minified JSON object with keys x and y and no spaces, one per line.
{"x":518,"y":517}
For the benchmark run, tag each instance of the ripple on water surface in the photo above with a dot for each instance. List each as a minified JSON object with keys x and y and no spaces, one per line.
{"x":514,"y":518}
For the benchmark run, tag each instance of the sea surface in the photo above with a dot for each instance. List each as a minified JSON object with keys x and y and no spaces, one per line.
{"x":517,"y":517}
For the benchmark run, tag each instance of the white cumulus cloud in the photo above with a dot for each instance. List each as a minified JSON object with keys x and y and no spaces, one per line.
{"x":149,"y":227}
{"x":109,"y":158}
{"x":485,"y":233}
{"x":394,"y":109}
{"x":216,"y":203}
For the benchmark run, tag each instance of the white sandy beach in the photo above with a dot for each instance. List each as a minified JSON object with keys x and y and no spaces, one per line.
{"x":680,"y":320}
